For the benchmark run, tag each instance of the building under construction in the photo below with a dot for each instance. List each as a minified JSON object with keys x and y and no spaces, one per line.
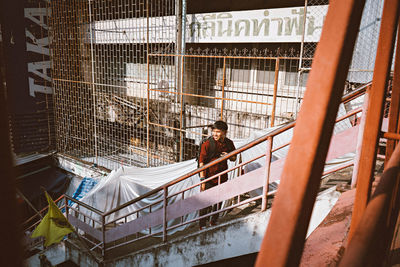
{"x":108,"y":102}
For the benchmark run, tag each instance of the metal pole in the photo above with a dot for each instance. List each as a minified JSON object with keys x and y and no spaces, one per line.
{"x":178,"y":14}
{"x":183,"y":52}
{"x":103,"y":235}
{"x":183,"y":46}
{"x":165,"y":214}
{"x":182,"y":113}
{"x":301,"y":56}
{"x":390,"y":145}
{"x":148,"y":87}
{"x":178,"y":52}
{"x":275,"y":92}
{"x":286,"y":232}
{"x":93,"y":81}
{"x":395,"y":102}
{"x":148,"y":113}
{"x":373,"y":120}
{"x":268,"y":156}
{"x":223,"y":89}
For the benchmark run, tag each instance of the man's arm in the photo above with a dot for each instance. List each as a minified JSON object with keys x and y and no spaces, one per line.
{"x":202,"y":157}
{"x":202,"y":176}
{"x":203,"y":173}
{"x":233,"y":158}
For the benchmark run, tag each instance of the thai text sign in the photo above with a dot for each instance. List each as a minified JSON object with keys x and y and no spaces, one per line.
{"x":253,"y":26}
{"x":257,"y":26}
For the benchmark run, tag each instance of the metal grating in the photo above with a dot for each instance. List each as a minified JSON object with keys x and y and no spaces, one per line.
{"x":102,"y":71}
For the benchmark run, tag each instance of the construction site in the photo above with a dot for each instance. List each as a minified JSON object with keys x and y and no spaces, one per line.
{"x":107,"y":104}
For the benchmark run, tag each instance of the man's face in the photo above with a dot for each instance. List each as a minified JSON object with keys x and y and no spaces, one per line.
{"x":218,"y":134}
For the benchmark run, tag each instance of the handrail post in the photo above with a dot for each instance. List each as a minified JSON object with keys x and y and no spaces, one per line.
{"x":66,"y":206}
{"x":272,"y":124}
{"x":165,"y":214}
{"x":268,"y":156}
{"x":103,"y":235}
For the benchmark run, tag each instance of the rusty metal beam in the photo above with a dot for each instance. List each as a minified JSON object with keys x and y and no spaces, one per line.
{"x":291,"y":211}
{"x":390,"y":145}
{"x":395,"y":101}
{"x":373,"y":119}
{"x":390,"y":137}
{"x":367,"y":246}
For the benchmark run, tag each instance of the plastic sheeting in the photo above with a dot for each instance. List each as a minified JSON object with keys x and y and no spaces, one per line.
{"x":127,"y":183}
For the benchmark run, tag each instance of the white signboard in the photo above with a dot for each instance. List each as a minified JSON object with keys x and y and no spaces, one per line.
{"x":276,"y":25}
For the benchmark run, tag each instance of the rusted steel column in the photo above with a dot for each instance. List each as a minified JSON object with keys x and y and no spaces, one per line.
{"x":390,"y":144}
{"x":391,"y":136}
{"x":268,"y":156}
{"x":300,"y":180}
{"x":367,"y":246}
{"x":275,"y":92}
{"x":395,"y":102}
{"x":373,"y":119}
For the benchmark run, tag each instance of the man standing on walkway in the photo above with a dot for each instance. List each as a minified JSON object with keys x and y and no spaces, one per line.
{"x":211,"y":149}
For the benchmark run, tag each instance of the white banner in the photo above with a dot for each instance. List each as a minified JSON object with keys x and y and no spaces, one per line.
{"x":278,"y":25}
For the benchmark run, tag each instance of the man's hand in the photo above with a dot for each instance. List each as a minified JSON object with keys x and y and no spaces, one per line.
{"x":203,"y":187}
{"x":233,"y":158}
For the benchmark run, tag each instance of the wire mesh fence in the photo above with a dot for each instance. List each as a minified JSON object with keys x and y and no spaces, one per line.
{"x":126,"y":93}
{"x":250,"y":90}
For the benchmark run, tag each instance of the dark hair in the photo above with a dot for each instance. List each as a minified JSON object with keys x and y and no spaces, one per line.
{"x":220,"y":125}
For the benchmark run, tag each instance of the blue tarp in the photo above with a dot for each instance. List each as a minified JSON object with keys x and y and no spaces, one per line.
{"x":84,"y":187}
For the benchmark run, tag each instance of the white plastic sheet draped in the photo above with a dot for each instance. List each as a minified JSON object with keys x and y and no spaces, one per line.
{"x":127,"y":183}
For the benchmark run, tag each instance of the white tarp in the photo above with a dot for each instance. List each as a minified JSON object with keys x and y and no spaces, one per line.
{"x":127,"y":183}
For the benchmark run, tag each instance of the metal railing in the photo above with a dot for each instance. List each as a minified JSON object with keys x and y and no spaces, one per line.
{"x":104,"y":231}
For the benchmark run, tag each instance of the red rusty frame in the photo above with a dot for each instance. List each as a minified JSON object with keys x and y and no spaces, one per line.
{"x":291,"y":211}
{"x":390,"y":145}
{"x":395,"y":101}
{"x":359,"y":139}
{"x":369,"y":242}
{"x":373,"y":117}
